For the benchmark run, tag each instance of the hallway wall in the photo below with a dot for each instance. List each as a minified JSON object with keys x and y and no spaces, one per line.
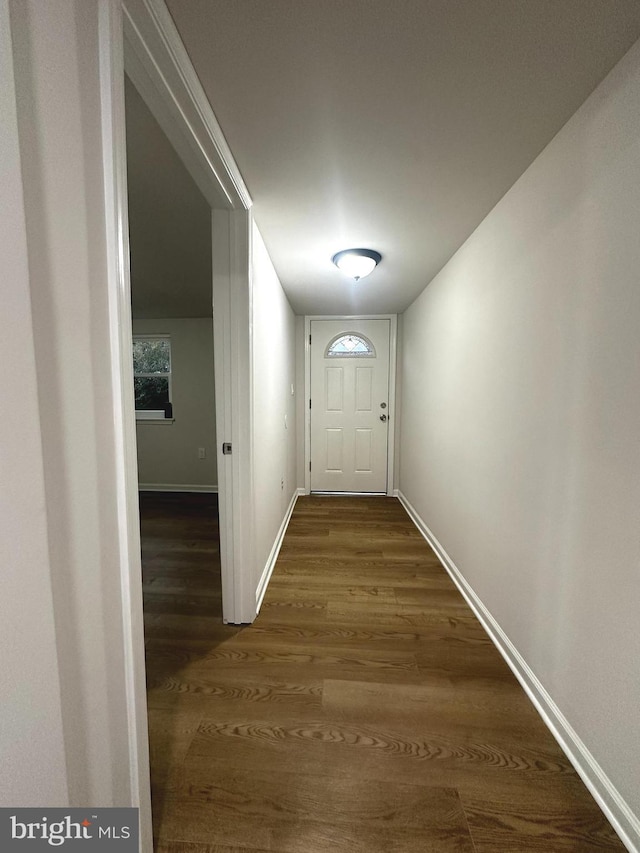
{"x":32,"y":767}
{"x":57,"y":65}
{"x":274,"y":415}
{"x":520,"y":410}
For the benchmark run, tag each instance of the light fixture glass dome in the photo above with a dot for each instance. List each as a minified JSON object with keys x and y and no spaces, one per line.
{"x":357,"y":263}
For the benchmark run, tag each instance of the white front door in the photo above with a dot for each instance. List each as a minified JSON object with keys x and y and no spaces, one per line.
{"x":349,"y":405}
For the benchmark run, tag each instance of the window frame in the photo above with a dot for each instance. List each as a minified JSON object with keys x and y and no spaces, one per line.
{"x":155,"y":415}
{"x":370,"y":353}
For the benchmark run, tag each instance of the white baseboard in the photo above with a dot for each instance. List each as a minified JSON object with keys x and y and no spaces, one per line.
{"x":302,"y":491}
{"x":273,"y":556}
{"x":175,"y":487}
{"x":617,"y":811}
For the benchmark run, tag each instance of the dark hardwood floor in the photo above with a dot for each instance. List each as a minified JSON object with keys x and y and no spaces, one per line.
{"x":365,"y":711}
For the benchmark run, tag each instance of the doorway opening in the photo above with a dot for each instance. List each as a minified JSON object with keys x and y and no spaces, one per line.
{"x":141,"y":39}
{"x":170,"y":240}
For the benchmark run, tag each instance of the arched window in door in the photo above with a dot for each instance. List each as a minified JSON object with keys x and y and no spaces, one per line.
{"x":350,"y":345}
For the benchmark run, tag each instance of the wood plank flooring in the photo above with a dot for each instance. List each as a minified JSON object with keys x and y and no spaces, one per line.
{"x":365,"y":711}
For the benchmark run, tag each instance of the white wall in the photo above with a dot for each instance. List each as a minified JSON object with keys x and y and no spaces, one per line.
{"x":32,"y":757}
{"x":521,"y":412}
{"x":56,"y":60}
{"x":274,"y":415}
{"x":168,"y":451}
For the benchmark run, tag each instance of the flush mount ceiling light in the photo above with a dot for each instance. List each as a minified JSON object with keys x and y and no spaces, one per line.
{"x":357,"y":263}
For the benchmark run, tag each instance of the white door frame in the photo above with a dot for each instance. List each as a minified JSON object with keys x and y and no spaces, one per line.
{"x":393,"y":347}
{"x":157,"y":63}
{"x":140,"y":35}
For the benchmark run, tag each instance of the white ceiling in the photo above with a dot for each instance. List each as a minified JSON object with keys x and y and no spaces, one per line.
{"x":391,"y":125}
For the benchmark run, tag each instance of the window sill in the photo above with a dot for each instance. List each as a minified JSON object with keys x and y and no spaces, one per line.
{"x":155,"y":421}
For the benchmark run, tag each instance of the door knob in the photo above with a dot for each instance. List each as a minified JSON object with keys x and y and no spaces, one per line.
{"x":383,"y":417}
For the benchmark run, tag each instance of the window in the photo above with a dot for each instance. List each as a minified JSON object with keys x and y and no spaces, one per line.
{"x":152,"y":376}
{"x":350,"y":345}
